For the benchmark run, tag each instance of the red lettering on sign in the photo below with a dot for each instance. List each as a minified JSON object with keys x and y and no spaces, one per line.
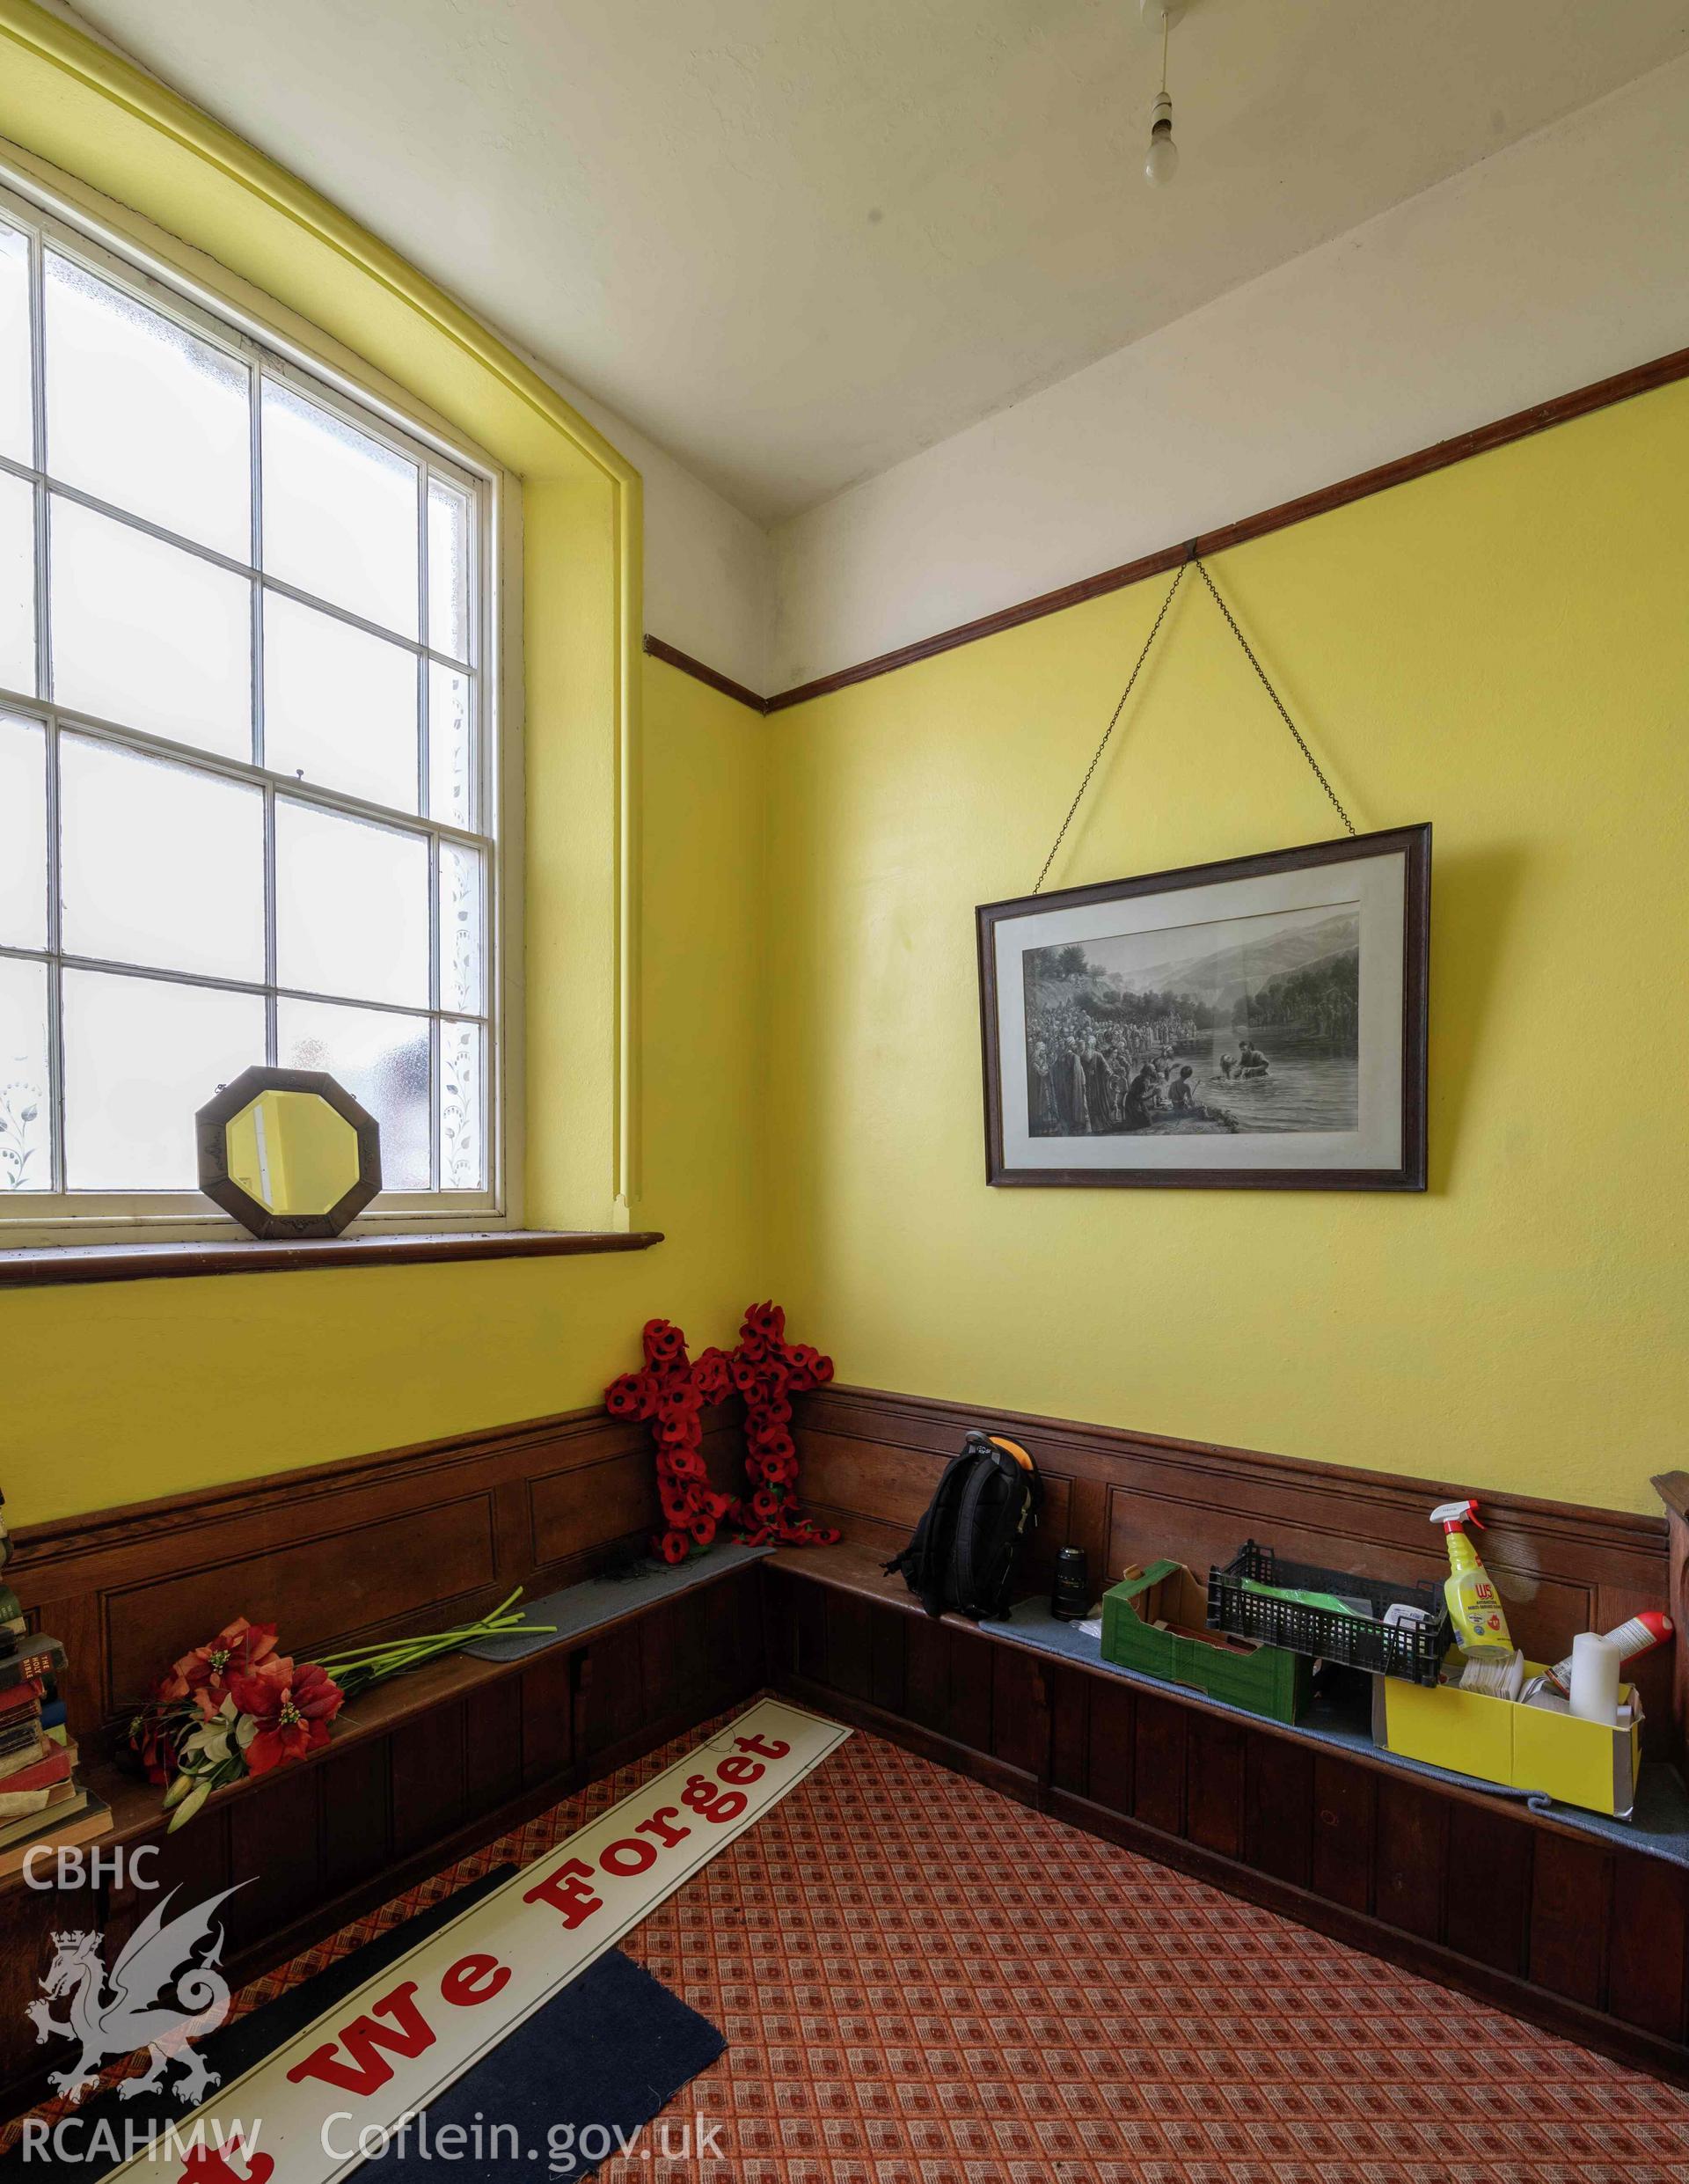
{"x":408,"y":2034}
{"x":568,"y":1893}
{"x":475,"y":1979}
{"x":658,"y":1825}
{"x":741,"y":1770}
{"x":702,"y":1795}
{"x":629,"y":1856}
{"x":212,"y":2164}
{"x":763,"y":1749}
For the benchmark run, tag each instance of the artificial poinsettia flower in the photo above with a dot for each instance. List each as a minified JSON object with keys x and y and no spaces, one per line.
{"x":290,"y":1706}
{"x":205,"y":1674}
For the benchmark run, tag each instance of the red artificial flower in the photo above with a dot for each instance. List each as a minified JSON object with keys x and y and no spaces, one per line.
{"x":633,"y":1396}
{"x":776,"y":1411}
{"x":780,"y":1470}
{"x":765,"y":1503}
{"x":744,"y":1375}
{"x":663,"y":1342}
{"x":684,"y":1463}
{"x":712,"y":1376}
{"x":676,"y":1546}
{"x":775,"y":1442}
{"x":292,"y":1705}
{"x":754,"y":1350}
{"x":205,"y":1675}
{"x":679,"y":1400}
{"x":703,"y":1529}
{"x":676,"y":1503}
{"x":768,"y":1320}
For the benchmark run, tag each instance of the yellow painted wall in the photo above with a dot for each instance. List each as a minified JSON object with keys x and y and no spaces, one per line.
{"x":1502,"y":648}
{"x":116,"y":1392}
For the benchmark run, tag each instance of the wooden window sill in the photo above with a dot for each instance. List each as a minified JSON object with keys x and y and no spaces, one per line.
{"x":155,"y":1261}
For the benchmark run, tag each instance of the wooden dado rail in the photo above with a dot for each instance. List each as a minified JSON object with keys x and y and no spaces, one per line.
{"x":1556,"y":1926}
{"x":1530,"y":1914}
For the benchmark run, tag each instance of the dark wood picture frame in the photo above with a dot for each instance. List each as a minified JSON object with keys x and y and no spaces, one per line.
{"x":1411,"y":844}
{"x":210,"y":1127}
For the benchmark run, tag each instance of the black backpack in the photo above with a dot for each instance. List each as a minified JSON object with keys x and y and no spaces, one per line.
{"x":963,"y":1552}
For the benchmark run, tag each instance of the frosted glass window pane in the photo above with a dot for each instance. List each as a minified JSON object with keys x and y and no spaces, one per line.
{"x":448,"y":569}
{"x":461,"y":948}
{"x":340,"y":512}
{"x":352,"y":907}
{"x":17,"y":425}
{"x":340,"y":706}
{"x":147,"y":634}
{"x":451,"y":746}
{"x":462,"y":1129}
{"x":141,"y":1057}
{"x":382,"y":1061}
{"x":22,"y":835}
{"x":26,"y":1150}
{"x":145,"y":414}
{"x":159,"y":864}
{"x":17,"y":584}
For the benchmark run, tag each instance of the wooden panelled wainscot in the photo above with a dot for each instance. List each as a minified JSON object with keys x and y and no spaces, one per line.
{"x":1535,"y":1917}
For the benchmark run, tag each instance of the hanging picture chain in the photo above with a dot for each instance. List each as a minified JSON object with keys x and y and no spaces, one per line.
{"x":1192,"y":559}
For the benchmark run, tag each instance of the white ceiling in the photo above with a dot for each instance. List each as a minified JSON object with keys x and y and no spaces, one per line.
{"x":796,"y":240}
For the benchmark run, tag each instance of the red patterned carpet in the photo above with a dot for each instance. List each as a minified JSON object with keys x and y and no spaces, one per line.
{"x":922,"y":1983}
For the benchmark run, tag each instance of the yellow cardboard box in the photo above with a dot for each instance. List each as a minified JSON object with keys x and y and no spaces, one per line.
{"x":1527,"y":1747}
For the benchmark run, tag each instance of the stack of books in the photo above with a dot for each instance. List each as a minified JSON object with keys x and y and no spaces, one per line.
{"x":40,"y":1799}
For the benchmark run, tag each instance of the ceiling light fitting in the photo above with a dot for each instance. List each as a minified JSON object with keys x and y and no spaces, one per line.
{"x":1161,"y":163}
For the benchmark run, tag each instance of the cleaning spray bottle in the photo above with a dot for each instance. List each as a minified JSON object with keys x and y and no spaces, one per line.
{"x":1480,"y":1626}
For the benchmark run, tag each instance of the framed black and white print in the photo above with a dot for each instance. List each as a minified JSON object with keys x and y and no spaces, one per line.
{"x":1256,"y":1024}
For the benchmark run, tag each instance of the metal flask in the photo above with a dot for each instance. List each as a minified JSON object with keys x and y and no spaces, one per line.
{"x":1069,"y":1598}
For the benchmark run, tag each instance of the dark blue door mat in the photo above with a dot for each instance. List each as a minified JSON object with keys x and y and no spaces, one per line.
{"x":602,"y":2057}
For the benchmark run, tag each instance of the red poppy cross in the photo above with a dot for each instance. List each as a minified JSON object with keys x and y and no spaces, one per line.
{"x":670,"y":1391}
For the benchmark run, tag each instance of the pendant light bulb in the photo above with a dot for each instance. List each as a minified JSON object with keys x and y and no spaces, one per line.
{"x":1162,"y":164}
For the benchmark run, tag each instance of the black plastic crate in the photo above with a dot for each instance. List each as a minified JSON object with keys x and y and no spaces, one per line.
{"x":1415,"y":1651}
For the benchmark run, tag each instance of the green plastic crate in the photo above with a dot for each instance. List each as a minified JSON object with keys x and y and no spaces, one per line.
{"x":1268,"y":1679}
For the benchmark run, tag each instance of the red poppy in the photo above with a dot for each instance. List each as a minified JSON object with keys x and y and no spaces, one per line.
{"x":632,"y":1397}
{"x":292,"y":1705}
{"x":676,"y":1546}
{"x":679,"y":1400}
{"x":765,"y":1503}
{"x":685,"y":1463}
{"x":712,"y":1375}
{"x":703,"y":1529}
{"x":676,"y":1503}
{"x":776,"y":1442}
{"x":663,"y":1342}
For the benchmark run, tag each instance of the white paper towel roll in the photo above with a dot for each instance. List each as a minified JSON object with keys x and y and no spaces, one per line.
{"x":1594,"y":1677}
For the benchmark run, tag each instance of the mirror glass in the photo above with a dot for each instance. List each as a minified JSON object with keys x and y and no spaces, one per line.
{"x":292,"y":1152}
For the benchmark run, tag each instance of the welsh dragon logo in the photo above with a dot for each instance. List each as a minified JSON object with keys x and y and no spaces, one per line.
{"x":163,"y":1992}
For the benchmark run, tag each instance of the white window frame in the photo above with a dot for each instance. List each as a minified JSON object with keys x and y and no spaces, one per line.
{"x":63,"y":1217}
